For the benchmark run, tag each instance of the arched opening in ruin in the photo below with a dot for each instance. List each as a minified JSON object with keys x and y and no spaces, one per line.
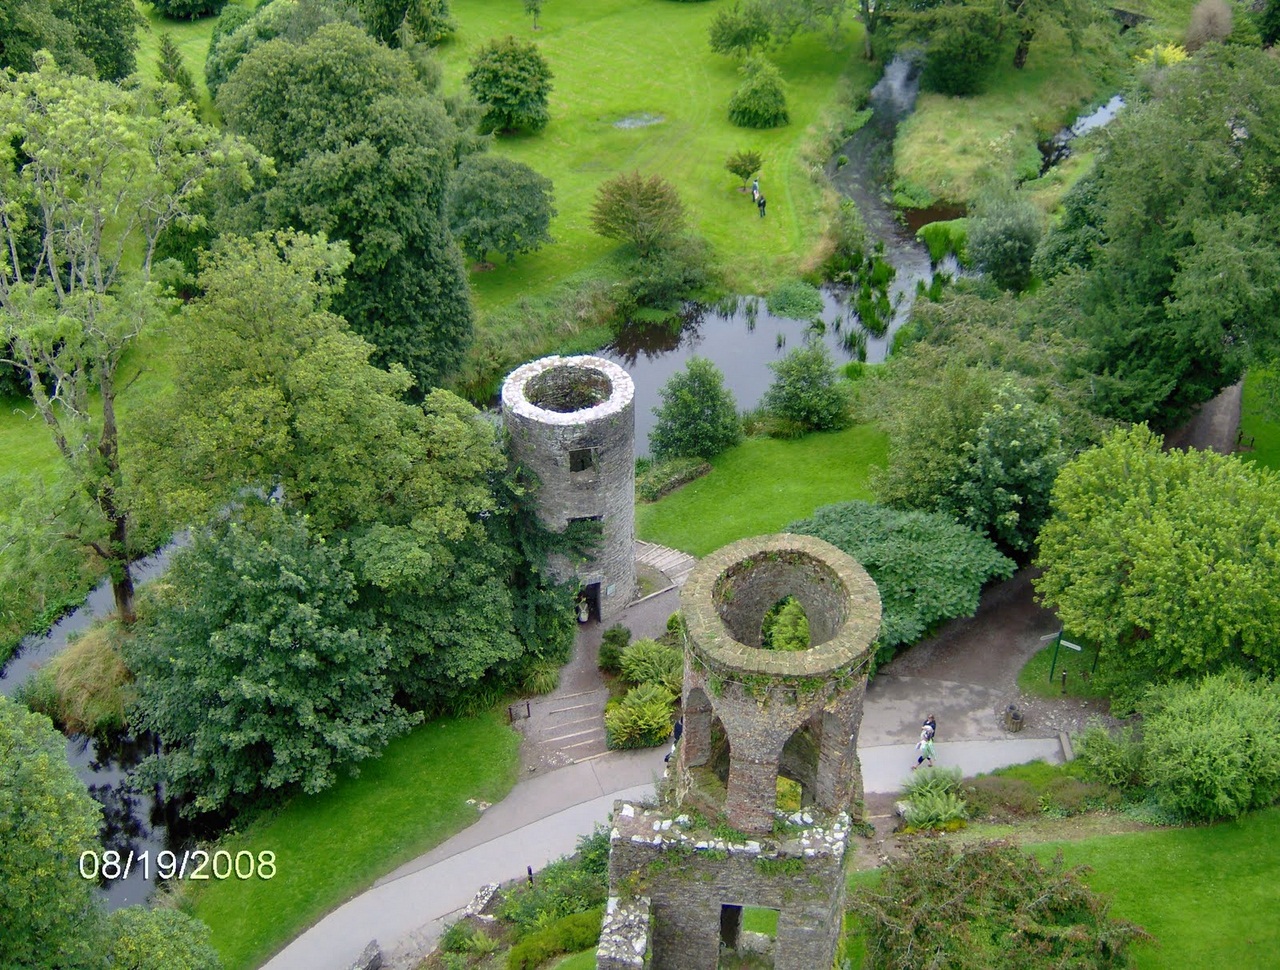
{"x":799,"y":760}
{"x":568,"y":388}
{"x":785,"y":626}
{"x":721,"y":751}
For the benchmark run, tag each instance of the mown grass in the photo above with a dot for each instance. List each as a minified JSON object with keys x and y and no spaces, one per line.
{"x":1033,"y":678}
{"x":192,"y":39}
{"x":761,"y":485}
{"x":586,"y":960}
{"x":614,"y":59}
{"x":1260,"y":419}
{"x":1207,"y":894}
{"x":331,"y":846}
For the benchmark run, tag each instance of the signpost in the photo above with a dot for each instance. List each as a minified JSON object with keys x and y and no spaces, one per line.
{"x":1059,"y":642}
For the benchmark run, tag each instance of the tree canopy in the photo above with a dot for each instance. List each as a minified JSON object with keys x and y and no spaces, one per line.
{"x":365,"y":155}
{"x":97,"y":38}
{"x":646,"y":211}
{"x":1168,"y":561}
{"x":513,"y":82}
{"x":697,"y":417}
{"x":46,"y":820}
{"x":90,"y":175}
{"x":497,"y":203}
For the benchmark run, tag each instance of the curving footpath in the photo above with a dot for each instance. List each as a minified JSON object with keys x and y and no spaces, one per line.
{"x":544,"y":817}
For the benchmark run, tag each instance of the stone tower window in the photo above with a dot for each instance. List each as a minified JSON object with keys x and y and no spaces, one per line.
{"x":582,"y":461}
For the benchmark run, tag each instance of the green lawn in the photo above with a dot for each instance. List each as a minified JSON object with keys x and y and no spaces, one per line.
{"x":617,"y":58}
{"x":331,"y":846}
{"x":586,"y":960}
{"x":1207,"y":894}
{"x":761,"y":485}
{"x":1258,"y":419}
{"x":1078,"y":665}
{"x":192,"y":38}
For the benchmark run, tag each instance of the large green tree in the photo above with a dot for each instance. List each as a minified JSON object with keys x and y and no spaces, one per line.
{"x":97,"y":38}
{"x":1168,"y":561}
{"x":365,"y":154}
{"x":513,"y":82}
{"x":106,"y":31}
{"x":1169,"y":271}
{"x":50,"y":914}
{"x":90,"y":175}
{"x":252,"y":669}
{"x":497,"y":203}
{"x":697,"y":417}
{"x":806,"y":390}
{"x":396,"y":21}
{"x":645,"y":211}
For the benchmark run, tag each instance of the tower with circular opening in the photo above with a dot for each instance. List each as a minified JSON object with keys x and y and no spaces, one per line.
{"x":752,"y":715}
{"x":571,"y":423}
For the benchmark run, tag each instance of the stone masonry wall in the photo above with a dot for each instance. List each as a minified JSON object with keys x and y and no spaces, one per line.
{"x":688,"y":876}
{"x":547,"y":440}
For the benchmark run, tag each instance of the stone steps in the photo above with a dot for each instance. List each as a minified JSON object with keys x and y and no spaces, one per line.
{"x":673,"y":563}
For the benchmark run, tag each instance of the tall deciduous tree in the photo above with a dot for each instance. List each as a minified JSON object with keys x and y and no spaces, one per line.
{"x":365,"y":154}
{"x":744,"y":164}
{"x":499,"y":204}
{"x":1031,"y":17}
{"x":513,"y":82}
{"x":806,"y":389}
{"x":90,"y":176}
{"x":421,"y":21}
{"x":698,"y":417}
{"x":253,"y":671}
{"x":47,"y":819}
{"x":106,"y":31}
{"x":1167,"y":560}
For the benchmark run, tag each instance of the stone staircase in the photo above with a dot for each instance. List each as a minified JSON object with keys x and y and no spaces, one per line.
{"x":673,"y":563}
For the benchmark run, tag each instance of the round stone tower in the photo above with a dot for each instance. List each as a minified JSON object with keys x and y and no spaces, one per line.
{"x":571,"y":423}
{"x":764,"y":713}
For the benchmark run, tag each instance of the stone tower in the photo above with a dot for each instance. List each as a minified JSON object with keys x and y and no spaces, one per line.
{"x":682,"y":873}
{"x":571,"y":423}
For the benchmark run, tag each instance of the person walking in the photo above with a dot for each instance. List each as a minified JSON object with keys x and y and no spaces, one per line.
{"x":760,"y":205}
{"x":755,"y":190}
{"x":931,"y":723}
{"x":925,"y":747}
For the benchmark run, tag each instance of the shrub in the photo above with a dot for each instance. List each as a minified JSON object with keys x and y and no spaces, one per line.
{"x":567,"y":935}
{"x":1002,"y":238}
{"x":932,"y":781}
{"x":934,"y":810}
{"x":612,"y":644}
{"x":806,"y":389}
{"x":675,"y":268}
{"x":744,"y":164}
{"x":664,"y":477}
{"x":796,"y":300}
{"x":785,"y":626}
{"x":497,"y":203}
{"x":987,"y":905}
{"x":676,"y":626}
{"x":697,"y":417}
{"x":85,"y":688}
{"x":512,"y":81}
{"x":541,"y":678}
{"x":761,"y":98}
{"x":740,"y":29}
{"x":569,"y":885}
{"x":1210,"y":22}
{"x":963,"y":42}
{"x":994,"y":795}
{"x":188,"y":9}
{"x":1112,"y":759}
{"x":645,"y":211}
{"x":848,"y":236}
{"x":641,"y":720}
{"x":1218,"y":754}
{"x":651,"y":662}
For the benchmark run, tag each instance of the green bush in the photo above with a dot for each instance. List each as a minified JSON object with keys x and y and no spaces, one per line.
{"x":697,"y":417}
{"x":567,"y":935}
{"x":651,"y":662}
{"x":997,"y":795}
{"x":676,"y":626}
{"x":1002,"y":238}
{"x":1213,"y":750}
{"x":932,"y":781}
{"x":641,"y":720}
{"x":1112,"y":759}
{"x":574,"y":884}
{"x":188,"y":9}
{"x":933,"y":810}
{"x":612,"y":644}
{"x":761,"y":98}
{"x":785,"y":627}
{"x":541,"y":678}
{"x":669,"y":273}
{"x":806,"y":389}
{"x":796,"y":300}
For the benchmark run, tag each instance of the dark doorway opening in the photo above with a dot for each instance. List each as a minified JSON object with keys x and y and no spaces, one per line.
{"x":730,"y":926}
{"x":590,"y":595}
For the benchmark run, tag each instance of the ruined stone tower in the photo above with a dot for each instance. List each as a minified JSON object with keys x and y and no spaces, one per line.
{"x":571,"y":422}
{"x":679,"y":874}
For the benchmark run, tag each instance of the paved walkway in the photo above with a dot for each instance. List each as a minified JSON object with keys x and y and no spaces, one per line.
{"x":543,"y":818}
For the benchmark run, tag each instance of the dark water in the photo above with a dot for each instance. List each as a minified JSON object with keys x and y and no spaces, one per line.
{"x":1059,"y":146}
{"x":141,"y":821}
{"x":741,"y":337}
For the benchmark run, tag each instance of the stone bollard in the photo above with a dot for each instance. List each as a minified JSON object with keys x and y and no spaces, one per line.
{"x":1013,"y":719}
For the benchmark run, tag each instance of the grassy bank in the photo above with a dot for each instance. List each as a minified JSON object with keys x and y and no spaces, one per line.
{"x":761,"y":485}
{"x":1259,"y":420}
{"x":331,"y":846}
